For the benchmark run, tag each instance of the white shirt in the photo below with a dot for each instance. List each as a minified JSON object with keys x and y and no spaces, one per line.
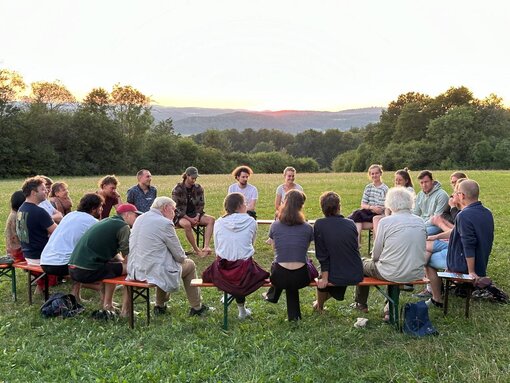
{"x":250,"y":192}
{"x":46,"y":205}
{"x":234,"y":235}
{"x":65,"y":237}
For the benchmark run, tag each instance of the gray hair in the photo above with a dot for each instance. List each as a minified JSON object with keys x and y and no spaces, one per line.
{"x":399,"y":198}
{"x":160,"y":202}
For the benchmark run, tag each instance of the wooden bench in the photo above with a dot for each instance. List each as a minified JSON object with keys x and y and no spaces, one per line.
{"x":34,"y":274}
{"x":392,"y":294}
{"x":135,"y":289}
{"x":456,"y":278}
{"x":7,"y":270}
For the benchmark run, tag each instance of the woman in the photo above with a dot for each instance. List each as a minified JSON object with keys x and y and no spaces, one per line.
{"x":291,"y":236}
{"x":234,"y":270}
{"x":336,"y":248}
{"x":289,"y":174}
{"x":372,"y":202}
{"x":59,"y":197}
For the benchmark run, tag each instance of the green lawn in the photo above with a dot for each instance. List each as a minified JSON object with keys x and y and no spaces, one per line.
{"x":266,"y":348}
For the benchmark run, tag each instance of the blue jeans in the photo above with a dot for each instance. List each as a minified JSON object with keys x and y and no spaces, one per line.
{"x":439,"y":251}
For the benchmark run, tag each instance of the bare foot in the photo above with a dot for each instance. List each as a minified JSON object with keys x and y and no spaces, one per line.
{"x":200,"y":254}
{"x":207,"y":250}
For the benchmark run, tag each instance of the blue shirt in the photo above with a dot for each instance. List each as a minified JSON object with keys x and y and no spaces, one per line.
{"x":472,"y":237}
{"x":140,"y":199}
{"x":32,"y":223}
{"x":291,"y":242}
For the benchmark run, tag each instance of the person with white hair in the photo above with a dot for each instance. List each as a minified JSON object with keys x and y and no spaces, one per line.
{"x":399,"y":248}
{"x":156,"y":256}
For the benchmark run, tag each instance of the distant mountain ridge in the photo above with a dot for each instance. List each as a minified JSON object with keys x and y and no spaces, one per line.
{"x":189,"y":121}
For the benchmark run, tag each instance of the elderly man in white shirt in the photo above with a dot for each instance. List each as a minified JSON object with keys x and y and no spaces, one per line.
{"x":156,"y":256}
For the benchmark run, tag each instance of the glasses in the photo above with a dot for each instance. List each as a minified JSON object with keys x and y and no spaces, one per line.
{"x":456,"y":193}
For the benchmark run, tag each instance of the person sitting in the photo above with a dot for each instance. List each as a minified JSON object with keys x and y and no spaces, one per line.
{"x":336,"y":249}
{"x":291,"y":236}
{"x":372,"y":202}
{"x":470,"y":241}
{"x":189,"y":213}
{"x":55,"y":255}
{"x":156,"y":256}
{"x":101,"y":253}
{"x":399,"y":248}
{"x":143,"y":194}
{"x":289,"y":175}
{"x":59,"y":198}
{"x":12,"y":242}
{"x":55,"y":215}
{"x":108,"y":190}
{"x":234,"y":271}
{"x":403,"y":179}
{"x":431,"y":200}
{"x":249,"y":191}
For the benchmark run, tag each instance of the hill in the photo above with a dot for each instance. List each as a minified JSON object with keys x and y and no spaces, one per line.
{"x":196,"y":120}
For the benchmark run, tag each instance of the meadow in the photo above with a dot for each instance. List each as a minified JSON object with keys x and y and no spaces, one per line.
{"x":266,"y":348}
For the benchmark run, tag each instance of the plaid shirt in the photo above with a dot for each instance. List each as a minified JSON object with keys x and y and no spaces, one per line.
{"x":180,"y":196}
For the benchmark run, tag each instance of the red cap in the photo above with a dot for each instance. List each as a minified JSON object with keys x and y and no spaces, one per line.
{"x":127,"y":207}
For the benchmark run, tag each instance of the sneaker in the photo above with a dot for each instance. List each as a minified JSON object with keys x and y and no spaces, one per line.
{"x":159,"y":310}
{"x":424,"y":294}
{"x":432,"y":302}
{"x":246,"y":315}
{"x":201,"y":311}
{"x":359,"y":306}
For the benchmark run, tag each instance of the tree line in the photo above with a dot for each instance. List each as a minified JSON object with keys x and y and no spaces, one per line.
{"x":44,"y":130}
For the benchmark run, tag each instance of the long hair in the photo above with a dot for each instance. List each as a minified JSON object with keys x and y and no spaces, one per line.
{"x":404,"y":173}
{"x":290,"y":212}
{"x":55,"y":188}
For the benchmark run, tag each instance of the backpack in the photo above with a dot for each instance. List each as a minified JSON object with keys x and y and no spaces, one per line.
{"x":59,"y":304}
{"x":416,"y":320}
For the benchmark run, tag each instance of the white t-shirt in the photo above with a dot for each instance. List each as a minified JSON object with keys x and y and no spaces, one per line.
{"x":250,"y":192}
{"x":46,"y":205}
{"x":65,"y":237}
{"x":281,"y":191}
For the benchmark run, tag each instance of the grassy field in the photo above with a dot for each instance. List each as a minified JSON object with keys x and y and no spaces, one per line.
{"x":321,"y":348}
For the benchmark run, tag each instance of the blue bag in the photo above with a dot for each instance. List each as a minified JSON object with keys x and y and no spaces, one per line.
{"x":59,"y":304}
{"x":416,"y":320}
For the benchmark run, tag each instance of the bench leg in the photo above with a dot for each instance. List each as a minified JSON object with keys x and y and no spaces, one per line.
{"x":227,"y":300}
{"x":29,"y":281}
{"x":131,"y":298}
{"x":13,"y":282}
{"x":393,"y":297}
{"x":468,"y":298}
{"x":446,"y":294}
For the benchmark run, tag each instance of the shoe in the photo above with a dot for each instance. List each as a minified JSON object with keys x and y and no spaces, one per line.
{"x":432,"y":302}
{"x":246,"y":315}
{"x":359,"y":306}
{"x":159,"y":310}
{"x":424,"y":294}
{"x":201,"y":311}
{"x":407,"y":288}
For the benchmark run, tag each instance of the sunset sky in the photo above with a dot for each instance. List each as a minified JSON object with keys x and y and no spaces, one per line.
{"x":278,"y":54}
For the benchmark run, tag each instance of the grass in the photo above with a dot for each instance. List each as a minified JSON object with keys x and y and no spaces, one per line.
{"x":267,"y":348}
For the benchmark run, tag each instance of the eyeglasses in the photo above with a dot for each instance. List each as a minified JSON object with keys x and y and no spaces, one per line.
{"x":458,"y":192}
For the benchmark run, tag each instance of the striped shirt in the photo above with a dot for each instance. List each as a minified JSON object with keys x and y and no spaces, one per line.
{"x":374,"y":195}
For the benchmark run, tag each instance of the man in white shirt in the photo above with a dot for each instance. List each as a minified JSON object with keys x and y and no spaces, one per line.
{"x":250,"y":192}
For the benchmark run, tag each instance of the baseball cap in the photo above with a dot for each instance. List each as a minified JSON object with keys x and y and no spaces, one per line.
{"x":127,"y":207}
{"x":192,"y":171}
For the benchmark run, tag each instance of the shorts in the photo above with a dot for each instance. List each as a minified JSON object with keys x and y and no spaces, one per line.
{"x":58,"y":270}
{"x":438,"y":259}
{"x":109,"y":270}
{"x":336,"y":292}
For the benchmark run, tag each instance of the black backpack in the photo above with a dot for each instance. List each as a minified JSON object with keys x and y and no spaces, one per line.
{"x":59,"y":304}
{"x":416,"y":320}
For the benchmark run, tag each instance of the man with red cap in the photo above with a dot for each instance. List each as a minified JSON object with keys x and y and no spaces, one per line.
{"x":101,"y":253}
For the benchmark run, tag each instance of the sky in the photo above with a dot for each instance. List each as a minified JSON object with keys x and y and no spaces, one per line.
{"x":262,"y":55}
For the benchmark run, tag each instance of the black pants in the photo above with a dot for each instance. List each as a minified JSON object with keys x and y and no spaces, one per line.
{"x":290,"y":281}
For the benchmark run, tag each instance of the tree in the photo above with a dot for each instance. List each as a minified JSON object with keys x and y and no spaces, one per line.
{"x":11,"y":86}
{"x":50,"y":94}
{"x":97,"y":100}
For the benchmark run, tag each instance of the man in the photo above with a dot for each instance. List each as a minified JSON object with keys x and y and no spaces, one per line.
{"x":250,"y":192}
{"x":108,"y":190}
{"x":470,"y":242}
{"x":34,"y":225}
{"x":156,"y":256}
{"x":399,"y":247}
{"x":143,"y":194}
{"x":56,"y":253}
{"x":101,"y":253}
{"x":46,"y":204}
{"x":430,"y":201}
{"x":190,"y":202}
